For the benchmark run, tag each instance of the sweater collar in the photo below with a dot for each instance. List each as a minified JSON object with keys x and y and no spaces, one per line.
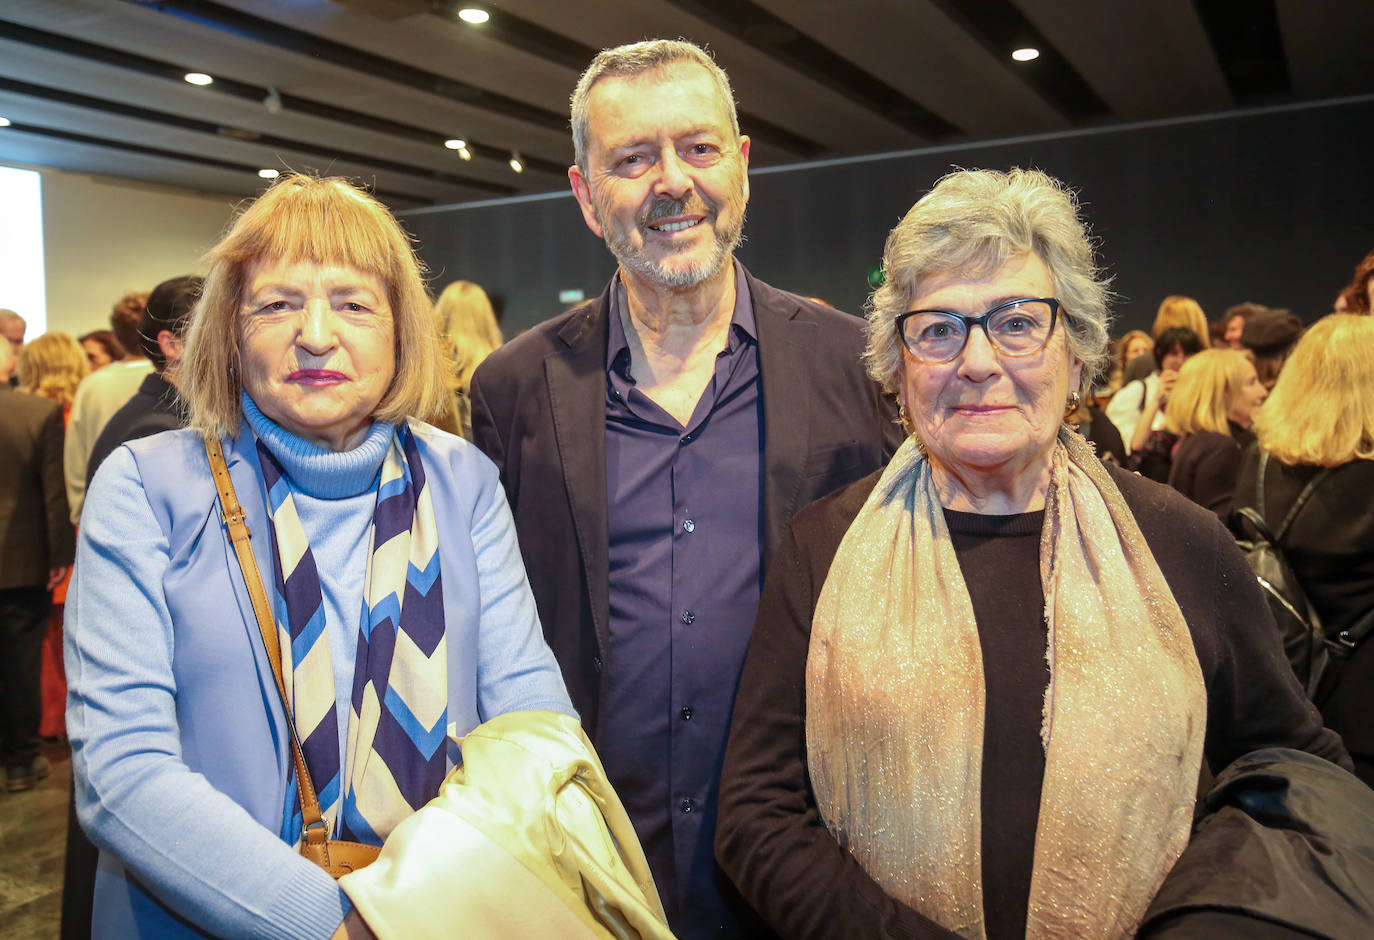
{"x":316,"y":471}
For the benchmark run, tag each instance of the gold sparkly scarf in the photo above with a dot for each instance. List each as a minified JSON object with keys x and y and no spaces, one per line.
{"x":895,"y":703}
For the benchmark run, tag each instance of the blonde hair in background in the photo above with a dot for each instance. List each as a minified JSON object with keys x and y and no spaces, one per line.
{"x":1125,"y":343}
{"x":53,"y":366}
{"x":468,"y":325}
{"x":1207,"y":384}
{"x":1321,"y":410}
{"x":1177,"y":310}
{"x":320,"y":221}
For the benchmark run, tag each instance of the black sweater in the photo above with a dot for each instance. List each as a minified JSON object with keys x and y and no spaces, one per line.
{"x":769,"y":836}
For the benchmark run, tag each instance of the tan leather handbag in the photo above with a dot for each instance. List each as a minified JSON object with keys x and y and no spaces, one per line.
{"x":336,"y":856}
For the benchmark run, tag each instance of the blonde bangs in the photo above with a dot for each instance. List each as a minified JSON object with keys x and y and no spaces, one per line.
{"x":1321,"y":410}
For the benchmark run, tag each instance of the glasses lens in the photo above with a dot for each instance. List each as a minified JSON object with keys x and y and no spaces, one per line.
{"x":1021,"y":329}
{"x":934,"y":337}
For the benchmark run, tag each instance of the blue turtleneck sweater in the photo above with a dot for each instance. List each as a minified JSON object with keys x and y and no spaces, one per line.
{"x":335,"y":493}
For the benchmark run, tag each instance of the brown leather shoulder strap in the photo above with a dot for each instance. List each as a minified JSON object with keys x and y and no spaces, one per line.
{"x":239,"y":536}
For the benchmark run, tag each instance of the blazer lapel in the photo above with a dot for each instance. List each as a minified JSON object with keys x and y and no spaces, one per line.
{"x":576,"y":378}
{"x":785,"y":341}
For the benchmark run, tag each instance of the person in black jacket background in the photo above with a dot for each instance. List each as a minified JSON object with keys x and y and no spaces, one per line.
{"x":1212,"y":408}
{"x":37,"y":543}
{"x":1320,"y":417}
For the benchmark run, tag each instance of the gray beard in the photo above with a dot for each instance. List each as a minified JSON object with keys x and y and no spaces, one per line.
{"x":679,"y":278}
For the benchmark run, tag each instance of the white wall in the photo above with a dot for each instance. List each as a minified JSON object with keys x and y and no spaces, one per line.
{"x":102,"y":237}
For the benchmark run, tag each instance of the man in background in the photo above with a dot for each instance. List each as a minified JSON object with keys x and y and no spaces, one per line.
{"x":157,"y":405}
{"x":103,"y":393}
{"x":654,"y":443}
{"x":12,"y":327}
{"x":37,"y":544}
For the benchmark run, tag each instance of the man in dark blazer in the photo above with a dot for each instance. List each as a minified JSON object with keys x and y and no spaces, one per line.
{"x":36,"y":548}
{"x":654,"y":442}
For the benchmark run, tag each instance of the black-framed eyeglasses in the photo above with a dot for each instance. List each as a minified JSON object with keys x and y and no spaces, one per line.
{"x":1015,"y":328}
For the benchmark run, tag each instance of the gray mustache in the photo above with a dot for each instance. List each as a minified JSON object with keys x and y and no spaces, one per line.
{"x":666,"y":208}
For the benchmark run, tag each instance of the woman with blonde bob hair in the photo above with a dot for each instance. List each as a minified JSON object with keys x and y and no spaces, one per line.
{"x":53,"y":366}
{"x":1211,"y":408}
{"x":983,"y":680}
{"x":1317,"y":428}
{"x":1177,"y":310}
{"x":468,"y":325}
{"x":395,"y":608}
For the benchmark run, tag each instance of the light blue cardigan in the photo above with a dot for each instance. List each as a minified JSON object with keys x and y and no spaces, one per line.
{"x":178,"y":739}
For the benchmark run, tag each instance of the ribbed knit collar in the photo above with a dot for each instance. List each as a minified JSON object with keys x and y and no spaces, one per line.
{"x":976,"y":523}
{"x":316,"y":471}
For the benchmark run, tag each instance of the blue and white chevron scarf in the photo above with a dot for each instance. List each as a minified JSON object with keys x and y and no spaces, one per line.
{"x":395,"y":758}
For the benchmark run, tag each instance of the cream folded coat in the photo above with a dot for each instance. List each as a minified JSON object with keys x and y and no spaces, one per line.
{"x":525,"y":839}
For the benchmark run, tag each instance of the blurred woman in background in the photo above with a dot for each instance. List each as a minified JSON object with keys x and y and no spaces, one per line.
{"x":468,"y":325}
{"x":1177,"y":310}
{"x":1137,"y":409}
{"x":53,"y":366}
{"x":1320,"y":419}
{"x":1211,"y":409}
{"x":101,"y":348}
{"x":1358,"y":295}
{"x":1133,"y":344}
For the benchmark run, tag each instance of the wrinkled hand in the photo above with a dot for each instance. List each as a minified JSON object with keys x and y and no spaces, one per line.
{"x":55,"y":575}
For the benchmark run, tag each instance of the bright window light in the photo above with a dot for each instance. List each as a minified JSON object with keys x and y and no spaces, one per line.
{"x":21,"y":248}
{"x":1026,"y":54}
{"x":473,"y":15}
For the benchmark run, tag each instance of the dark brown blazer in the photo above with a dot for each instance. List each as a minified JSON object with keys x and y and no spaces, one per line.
{"x":539,"y":412}
{"x":35,"y":530}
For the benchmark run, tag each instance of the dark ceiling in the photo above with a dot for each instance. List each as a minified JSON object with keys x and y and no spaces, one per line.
{"x":372,"y":88}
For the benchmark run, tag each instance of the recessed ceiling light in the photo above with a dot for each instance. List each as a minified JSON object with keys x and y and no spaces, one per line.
{"x":198,"y":78}
{"x":4,"y":122}
{"x":1026,"y":54}
{"x":465,"y":153}
{"x":457,"y":143}
{"x":473,"y":15}
{"x":269,"y":173}
{"x":516,"y":163}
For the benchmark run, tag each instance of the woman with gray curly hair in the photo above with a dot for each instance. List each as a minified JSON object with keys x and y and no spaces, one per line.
{"x":984,"y":680}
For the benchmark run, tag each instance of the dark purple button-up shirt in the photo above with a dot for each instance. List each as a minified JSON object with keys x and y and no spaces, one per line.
{"x":685,"y":515}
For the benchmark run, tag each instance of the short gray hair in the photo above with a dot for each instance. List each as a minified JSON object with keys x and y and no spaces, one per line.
{"x":636,"y":58}
{"x":974,"y":221}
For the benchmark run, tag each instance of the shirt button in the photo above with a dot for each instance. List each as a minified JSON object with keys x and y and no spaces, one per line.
{"x":688,"y":525}
{"x":687,"y":805}
{"x":687,"y":713}
{"x":688,"y":616}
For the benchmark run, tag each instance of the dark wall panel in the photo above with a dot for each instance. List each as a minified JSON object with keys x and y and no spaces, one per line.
{"x":1273,"y":207}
